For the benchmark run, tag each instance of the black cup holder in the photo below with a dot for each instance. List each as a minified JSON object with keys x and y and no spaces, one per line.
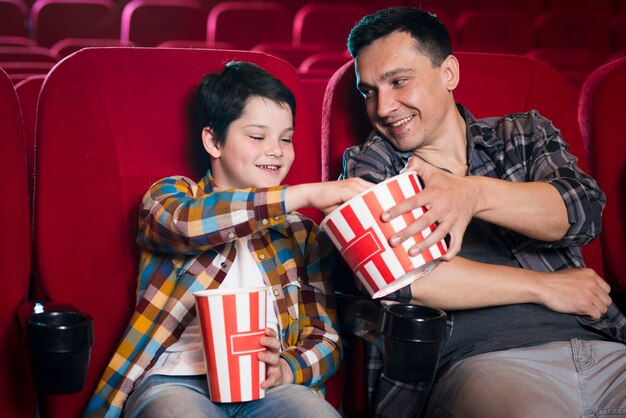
{"x":60,"y":346}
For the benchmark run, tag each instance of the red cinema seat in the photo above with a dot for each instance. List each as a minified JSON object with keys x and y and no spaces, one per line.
{"x":19,"y":71}
{"x":17,"y":394}
{"x":13,"y":15}
{"x":572,"y":29}
{"x":150,"y":22}
{"x":602,"y":7}
{"x":498,"y":30}
{"x":196,"y":44}
{"x":53,"y":20}
{"x":135,"y":107}
{"x":326,"y":23}
{"x":323,"y":65}
{"x":602,"y":102}
{"x":28,"y":94}
{"x":249,"y":23}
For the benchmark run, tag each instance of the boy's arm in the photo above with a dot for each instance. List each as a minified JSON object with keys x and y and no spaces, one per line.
{"x":177,"y":216}
{"x":317,"y":353}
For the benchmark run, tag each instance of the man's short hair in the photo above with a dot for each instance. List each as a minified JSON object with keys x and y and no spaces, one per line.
{"x":221,"y":97}
{"x":432,"y":38}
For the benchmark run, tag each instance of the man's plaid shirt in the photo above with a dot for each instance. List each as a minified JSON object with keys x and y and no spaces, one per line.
{"x":186,"y":234}
{"x":520,"y":147}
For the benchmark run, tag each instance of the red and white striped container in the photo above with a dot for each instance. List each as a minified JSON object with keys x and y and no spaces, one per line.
{"x":363,"y":239}
{"x":232,"y":322}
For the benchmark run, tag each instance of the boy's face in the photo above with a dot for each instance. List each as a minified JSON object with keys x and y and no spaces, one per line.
{"x":257,"y":151}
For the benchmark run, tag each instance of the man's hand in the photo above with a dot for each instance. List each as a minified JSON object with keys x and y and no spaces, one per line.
{"x":575,"y":291}
{"x":278,"y":371}
{"x":450,"y":201}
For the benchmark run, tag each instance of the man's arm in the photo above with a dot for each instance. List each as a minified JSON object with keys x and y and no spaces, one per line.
{"x":465,"y":284}
{"x":540,"y":192}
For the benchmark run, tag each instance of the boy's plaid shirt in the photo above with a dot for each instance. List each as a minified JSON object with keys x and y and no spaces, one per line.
{"x":186,"y":234}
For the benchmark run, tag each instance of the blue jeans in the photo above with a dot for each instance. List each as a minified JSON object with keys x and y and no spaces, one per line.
{"x":188,"y":396}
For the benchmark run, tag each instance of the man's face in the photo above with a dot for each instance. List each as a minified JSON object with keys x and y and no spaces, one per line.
{"x":406,"y":97}
{"x":257,"y":151}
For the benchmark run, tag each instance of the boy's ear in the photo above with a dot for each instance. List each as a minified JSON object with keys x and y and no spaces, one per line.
{"x":210,"y":144}
{"x":450,"y":72}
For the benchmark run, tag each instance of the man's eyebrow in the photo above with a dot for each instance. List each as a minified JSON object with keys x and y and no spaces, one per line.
{"x":395,"y":72}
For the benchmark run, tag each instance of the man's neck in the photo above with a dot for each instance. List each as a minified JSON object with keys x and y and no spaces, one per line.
{"x":449,"y":150}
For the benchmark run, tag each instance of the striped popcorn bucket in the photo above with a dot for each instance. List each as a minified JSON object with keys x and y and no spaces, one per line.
{"x":362,"y":238}
{"x":232,"y":322}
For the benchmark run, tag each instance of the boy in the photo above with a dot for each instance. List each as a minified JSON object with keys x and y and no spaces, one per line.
{"x":232,"y":229}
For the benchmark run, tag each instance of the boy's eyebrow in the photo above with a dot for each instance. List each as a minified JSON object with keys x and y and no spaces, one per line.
{"x":257,"y":125}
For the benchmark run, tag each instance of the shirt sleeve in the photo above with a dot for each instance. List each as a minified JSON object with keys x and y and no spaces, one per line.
{"x":318,"y":351}
{"x":552,"y":163}
{"x":375,"y":160}
{"x":177,"y":216}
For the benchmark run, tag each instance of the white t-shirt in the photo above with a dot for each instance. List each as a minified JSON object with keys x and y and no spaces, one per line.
{"x":185,"y":357}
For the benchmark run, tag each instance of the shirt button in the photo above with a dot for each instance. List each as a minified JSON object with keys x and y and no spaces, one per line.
{"x":265,"y":221}
{"x":276,"y":292}
{"x":262,"y":256}
{"x":231,"y":235}
{"x":223,"y":264}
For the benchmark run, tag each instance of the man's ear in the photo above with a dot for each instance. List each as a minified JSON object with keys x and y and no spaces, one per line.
{"x":450,"y":72}
{"x":210,"y":143}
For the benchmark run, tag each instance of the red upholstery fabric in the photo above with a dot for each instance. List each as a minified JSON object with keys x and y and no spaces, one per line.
{"x":323,"y":65}
{"x":16,"y":391}
{"x":248,"y":23}
{"x":150,"y":22}
{"x":16,"y":41}
{"x":600,"y":112}
{"x":112,"y":121}
{"x":530,"y":7}
{"x":28,"y":93}
{"x":293,"y":54}
{"x":498,"y":30}
{"x":67,"y":46}
{"x":26,"y":54}
{"x":326,"y":23}
{"x":603,"y":7}
{"x":572,"y":29}
{"x":13,"y":18}
{"x":491,"y":85}
{"x":53,"y":20}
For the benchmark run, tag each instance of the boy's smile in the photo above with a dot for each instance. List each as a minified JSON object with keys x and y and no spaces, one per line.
{"x":257,"y":151}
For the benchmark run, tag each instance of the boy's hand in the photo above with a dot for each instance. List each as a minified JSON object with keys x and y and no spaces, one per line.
{"x":325,"y":196}
{"x":278,"y":371}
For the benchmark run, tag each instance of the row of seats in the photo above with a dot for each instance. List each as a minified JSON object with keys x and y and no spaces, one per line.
{"x":242,"y":24}
{"x":109,"y":122}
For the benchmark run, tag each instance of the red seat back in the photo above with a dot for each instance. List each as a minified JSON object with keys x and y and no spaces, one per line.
{"x":17,"y":397}
{"x":13,"y":15}
{"x":248,"y":23}
{"x":326,"y":23}
{"x":53,"y":20}
{"x":112,"y":121}
{"x":601,"y":107}
{"x":28,"y":94}
{"x":528,"y":84}
{"x":150,"y":22}
{"x":498,"y":30}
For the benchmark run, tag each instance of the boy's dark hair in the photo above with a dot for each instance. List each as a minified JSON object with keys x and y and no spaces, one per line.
{"x":431,"y":36}
{"x":221,"y":97}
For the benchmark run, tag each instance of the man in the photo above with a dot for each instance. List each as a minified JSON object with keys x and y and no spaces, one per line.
{"x":531,"y":331}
